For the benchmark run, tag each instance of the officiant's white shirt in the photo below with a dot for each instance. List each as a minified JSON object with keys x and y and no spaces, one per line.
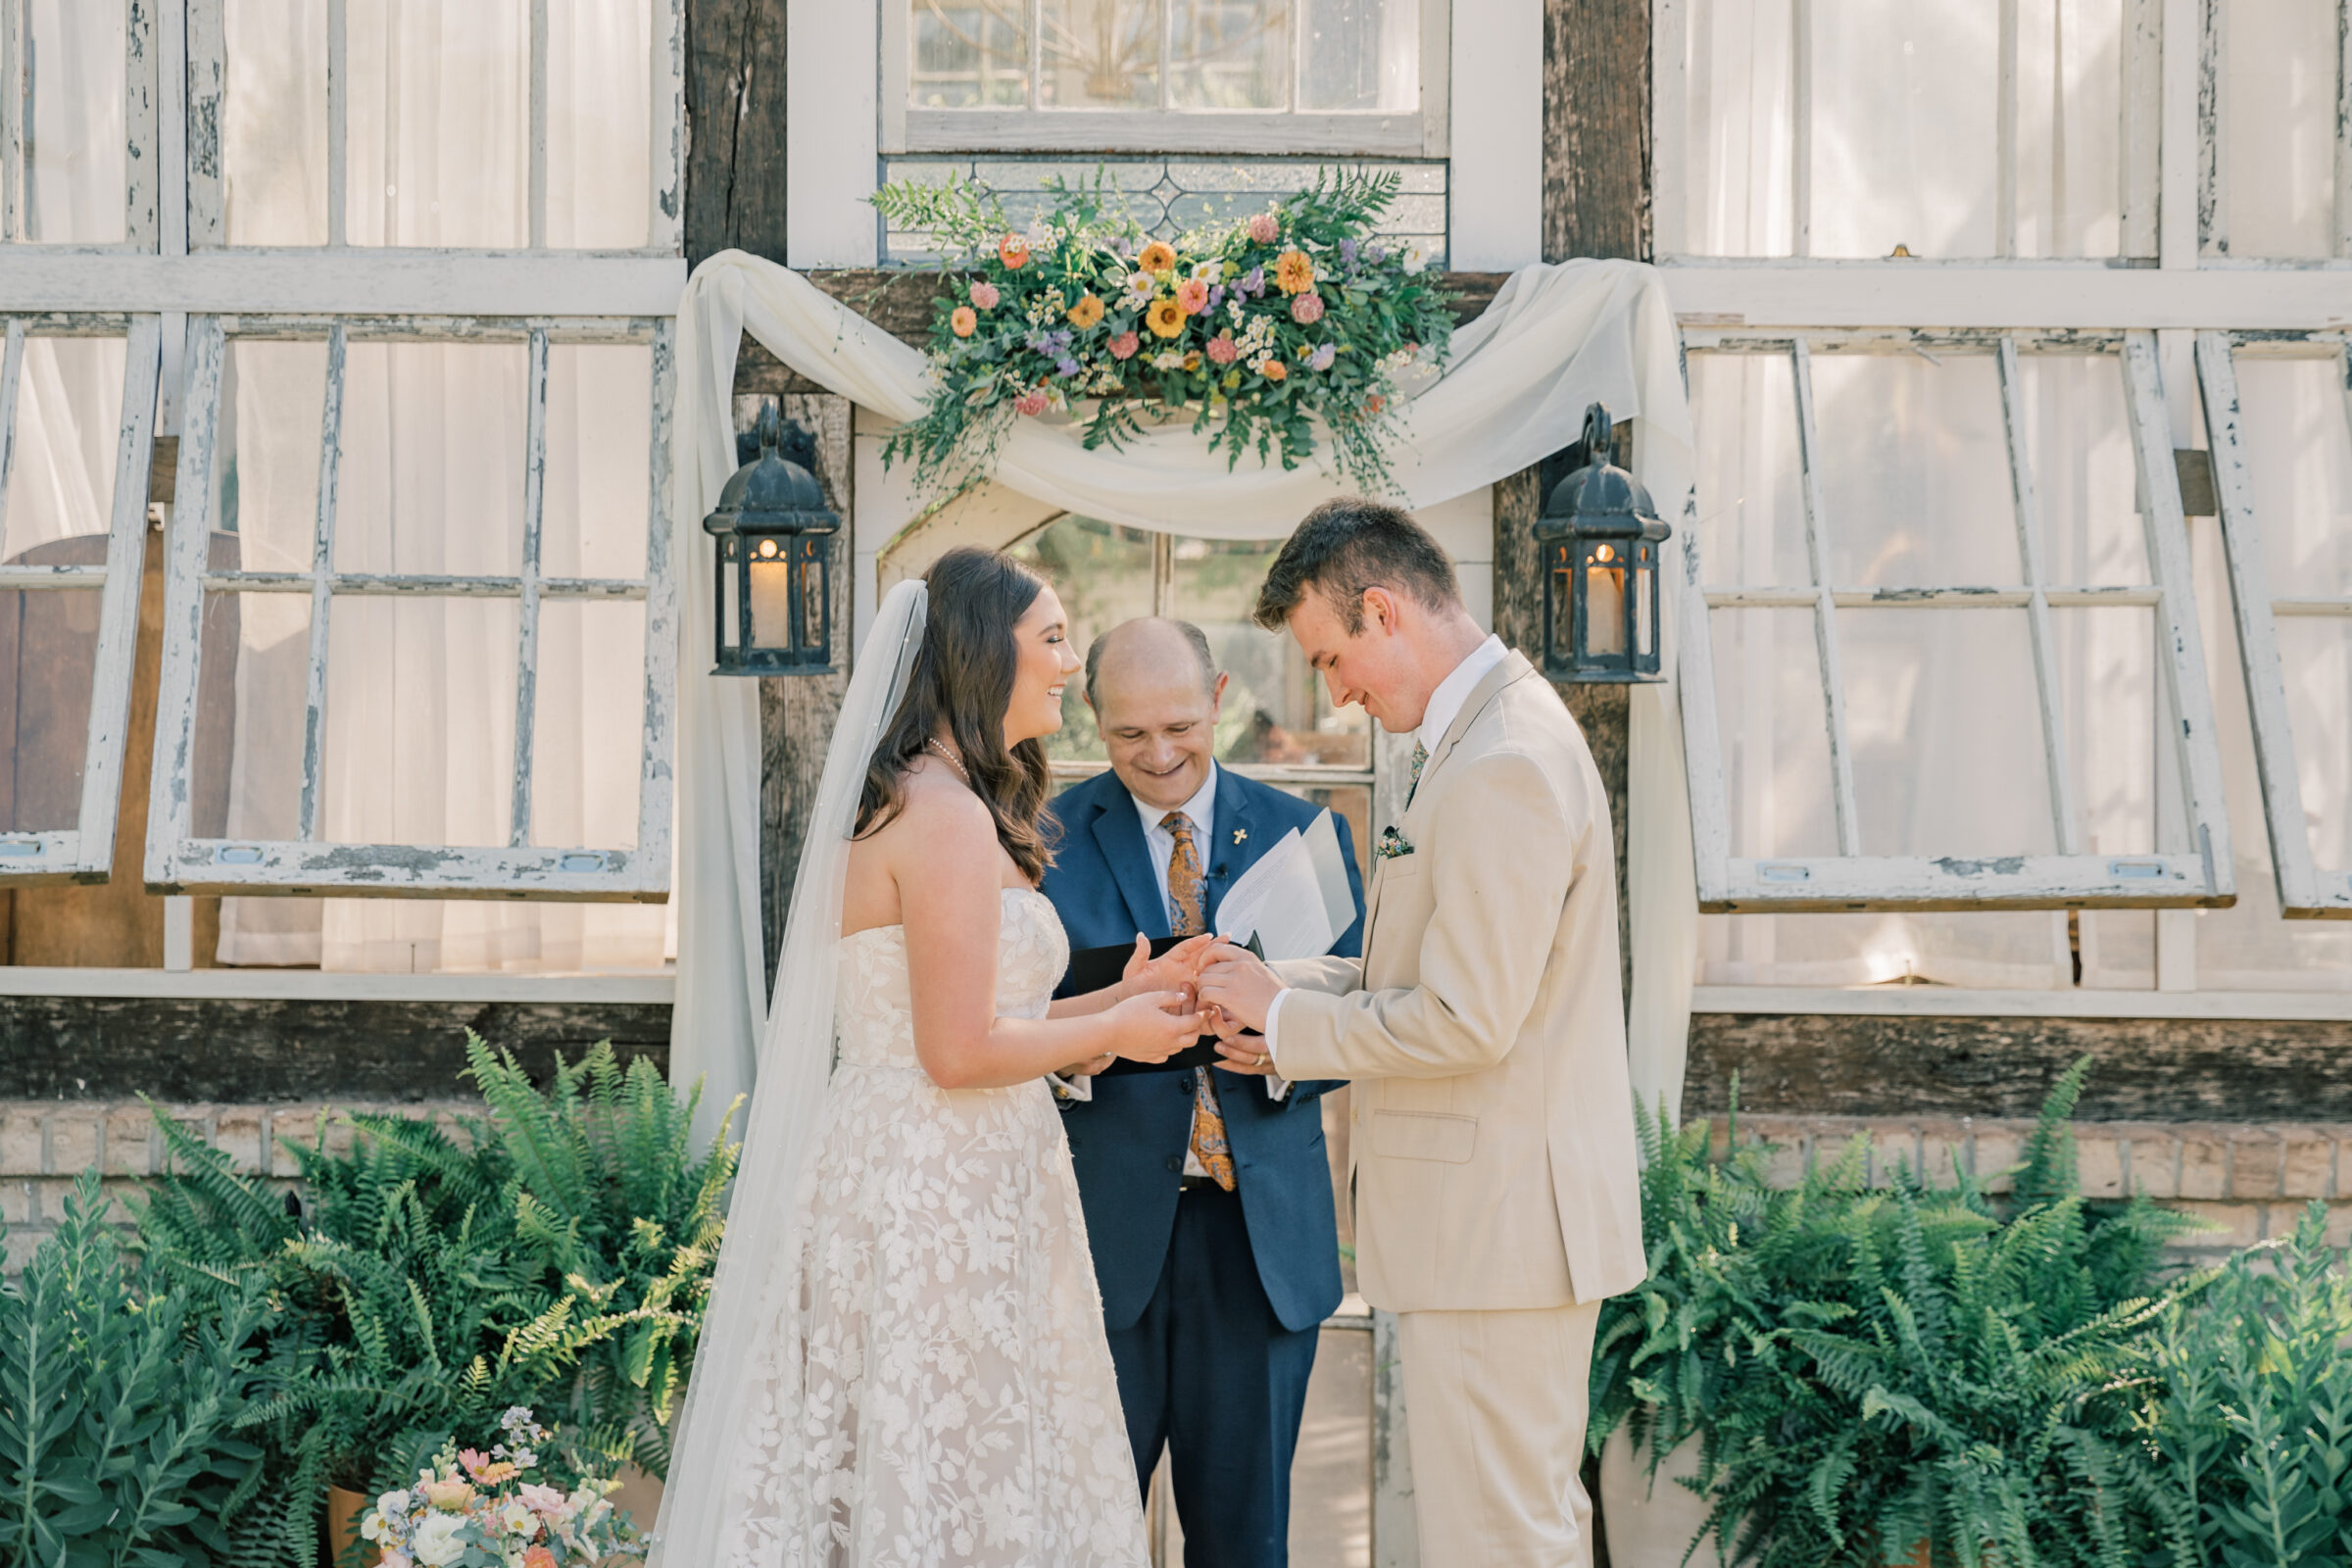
{"x":1444,"y":706}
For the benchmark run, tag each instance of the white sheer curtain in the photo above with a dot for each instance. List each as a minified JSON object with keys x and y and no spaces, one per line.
{"x":420,"y":692}
{"x":1901,"y":127}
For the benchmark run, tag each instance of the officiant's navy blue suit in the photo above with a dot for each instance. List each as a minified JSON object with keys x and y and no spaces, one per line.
{"x":1211,"y":1300}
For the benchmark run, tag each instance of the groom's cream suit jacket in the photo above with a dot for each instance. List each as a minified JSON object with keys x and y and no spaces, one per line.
{"x":1492,"y":1151}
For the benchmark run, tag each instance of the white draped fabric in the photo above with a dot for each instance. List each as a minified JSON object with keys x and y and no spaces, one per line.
{"x":1555,"y":339}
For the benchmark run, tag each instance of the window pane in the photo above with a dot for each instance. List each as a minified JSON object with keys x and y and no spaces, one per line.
{"x":1913,"y":470}
{"x":1102,"y":573}
{"x":420,"y":722}
{"x":1946,"y":732}
{"x":61,"y":480}
{"x":1101,"y":54}
{"x":252,"y":709}
{"x":2279,"y":131}
{"x":1276,"y":709}
{"x":1903,"y":136}
{"x":1229,"y":54}
{"x":1353,"y":802}
{"x":1744,"y":408}
{"x":265,"y":474}
{"x":2009,"y":950}
{"x":599,"y":123}
{"x":2316,"y":656}
{"x":2298,"y":428}
{"x":432,"y":458}
{"x":1360,"y":55}
{"x":589,"y":730}
{"x":440,"y":122}
{"x":2085,"y":478}
{"x":1776,"y":746}
{"x":2106,"y":662}
{"x":274,"y":123}
{"x":48,"y":652}
{"x":968,"y":55}
{"x":76,"y":156}
{"x":599,"y":440}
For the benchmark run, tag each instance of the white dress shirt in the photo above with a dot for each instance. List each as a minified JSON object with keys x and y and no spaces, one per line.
{"x":1444,"y":706}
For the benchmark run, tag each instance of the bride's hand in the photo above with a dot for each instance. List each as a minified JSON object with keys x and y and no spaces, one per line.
{"x":1178,"y":968}
{"x":1143,"y":1029}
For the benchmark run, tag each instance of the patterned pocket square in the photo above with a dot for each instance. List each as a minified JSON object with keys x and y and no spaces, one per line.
{"x":1391,"y":845}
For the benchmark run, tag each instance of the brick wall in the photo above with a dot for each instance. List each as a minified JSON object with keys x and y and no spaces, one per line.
{"x":44,"y":1146}
{"x":2247,"y":1181}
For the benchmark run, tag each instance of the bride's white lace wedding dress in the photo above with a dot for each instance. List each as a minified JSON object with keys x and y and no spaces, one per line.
{"x":933,"y":1386}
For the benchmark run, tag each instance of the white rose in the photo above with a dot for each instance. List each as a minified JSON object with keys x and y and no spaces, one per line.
{"x":436,"y":1544}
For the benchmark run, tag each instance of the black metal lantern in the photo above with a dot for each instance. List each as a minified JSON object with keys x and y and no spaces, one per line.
{"x":1597,"y":541}
{"x":775,"y":560}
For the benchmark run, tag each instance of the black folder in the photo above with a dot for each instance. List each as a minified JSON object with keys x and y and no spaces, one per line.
{"x":1099,"y":968}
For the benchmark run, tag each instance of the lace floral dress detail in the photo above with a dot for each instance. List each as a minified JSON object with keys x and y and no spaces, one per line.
{"x":934,"y":1386}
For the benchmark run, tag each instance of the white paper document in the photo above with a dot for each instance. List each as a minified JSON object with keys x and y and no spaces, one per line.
{"x":1296,"y":899}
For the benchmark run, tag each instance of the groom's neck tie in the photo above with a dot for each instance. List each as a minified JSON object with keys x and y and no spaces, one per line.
{"x":1188,"y":917}
{"x":1420,"y":756}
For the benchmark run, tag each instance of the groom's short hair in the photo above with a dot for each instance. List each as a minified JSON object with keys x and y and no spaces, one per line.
{"x":1348,"y":545}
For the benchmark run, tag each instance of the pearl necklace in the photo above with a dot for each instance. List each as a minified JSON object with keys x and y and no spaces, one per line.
{"x":935,"y":745}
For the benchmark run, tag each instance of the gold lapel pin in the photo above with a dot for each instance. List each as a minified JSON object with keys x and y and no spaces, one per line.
{"x":1240,"y":835}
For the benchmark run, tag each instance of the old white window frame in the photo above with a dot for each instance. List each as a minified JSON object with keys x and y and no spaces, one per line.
{"x":85,"y":852}
{"x":2213,"y":119}
{"x":1399,"y":134}
{"x":178,"y":861}
{"x":2067,"y":879}
{"x":142,"y":103}
{"x":2307,"y":891}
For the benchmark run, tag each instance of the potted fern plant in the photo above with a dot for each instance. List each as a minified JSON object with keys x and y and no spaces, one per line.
{"x":1909,"y":1372}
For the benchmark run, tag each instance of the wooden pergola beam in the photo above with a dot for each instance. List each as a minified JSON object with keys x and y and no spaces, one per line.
{"x":899,"y":301}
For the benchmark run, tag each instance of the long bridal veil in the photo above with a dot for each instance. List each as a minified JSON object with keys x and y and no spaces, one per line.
{"x":796,"y":1063}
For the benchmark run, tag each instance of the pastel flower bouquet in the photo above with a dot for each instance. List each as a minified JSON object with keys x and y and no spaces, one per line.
{"x":478,"y":1510}
{"x":1275,"y":332}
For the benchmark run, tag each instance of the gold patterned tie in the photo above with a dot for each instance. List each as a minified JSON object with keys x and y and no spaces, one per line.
{"x":1420,"y":756}
{"x":1187,"y":917}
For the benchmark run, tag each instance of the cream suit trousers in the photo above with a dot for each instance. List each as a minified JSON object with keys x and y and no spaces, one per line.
{"x":1494,"y":1407}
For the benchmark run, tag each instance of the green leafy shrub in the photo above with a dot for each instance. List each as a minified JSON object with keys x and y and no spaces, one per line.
{"x":2256,"y":1425}
{"x":1869,"y":1369}
{"x":118,"y":1412}
{"x":555,"y":1256}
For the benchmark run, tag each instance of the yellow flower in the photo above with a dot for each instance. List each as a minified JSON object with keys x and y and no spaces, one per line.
{"x":1086,"y":313}
{"x":1165,"y":318}
{"x":1294,"y":272}
{"x":1158,"y":257}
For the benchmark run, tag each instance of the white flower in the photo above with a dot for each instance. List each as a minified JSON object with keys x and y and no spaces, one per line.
{"x":436,"y":1545}
{"x":518,"y":1520}
{"x":1414,"y":259}
{"x":1167,"y":360}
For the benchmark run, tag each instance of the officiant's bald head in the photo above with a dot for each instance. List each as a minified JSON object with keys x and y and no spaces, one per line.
{"x":1156,"y":689}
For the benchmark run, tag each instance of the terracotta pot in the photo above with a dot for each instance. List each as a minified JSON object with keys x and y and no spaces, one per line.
{"x":1650,"y":1521}
{"x":344,"y":1511}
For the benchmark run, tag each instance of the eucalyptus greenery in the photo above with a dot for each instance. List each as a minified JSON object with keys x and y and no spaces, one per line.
{"x":118,"y":1411}
{"x":1874,"y":1370}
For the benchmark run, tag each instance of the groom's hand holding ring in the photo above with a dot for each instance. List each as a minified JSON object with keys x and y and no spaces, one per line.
{"x":1237,"y":983}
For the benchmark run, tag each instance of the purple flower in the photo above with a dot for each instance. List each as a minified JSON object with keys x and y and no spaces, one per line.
{"x":1124,"y":246}
{"x":1252,"y":281}
{"x":1216,"y":296}
{"x":1347,"y":253}
{"x":1066,"y":367}
{"x":1376,"y":253}
{"x":1323,"y":356}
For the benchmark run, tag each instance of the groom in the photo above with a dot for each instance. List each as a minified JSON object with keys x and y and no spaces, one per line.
{"x":1497,"y":1188}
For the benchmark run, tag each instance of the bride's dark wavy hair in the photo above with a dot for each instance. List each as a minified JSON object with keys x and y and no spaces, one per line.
{"x":962,"y":682}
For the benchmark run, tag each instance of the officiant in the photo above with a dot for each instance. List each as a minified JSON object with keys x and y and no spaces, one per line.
{"x":1207,"y":1193}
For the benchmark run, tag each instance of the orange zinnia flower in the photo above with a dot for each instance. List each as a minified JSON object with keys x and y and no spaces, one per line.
{"x":1165,"y":318}
{"x":1294,"y":272}
{"x":1192,"y":295}
{"x":1014,"y":251}
{"x":1158,"y":257}
{"x":965,"y":320}
{"x":1276,"y":370}
{"x":1086,"y":313}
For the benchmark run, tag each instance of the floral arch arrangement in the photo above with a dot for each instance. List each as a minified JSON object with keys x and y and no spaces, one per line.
{"x":1271,"y":333}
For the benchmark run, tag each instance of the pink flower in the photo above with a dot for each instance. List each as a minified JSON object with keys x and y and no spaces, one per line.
{"x":1031,"y":402}
{"x":1123,"y":346}
{"x":1306,"y":309}
{"x":1191,"y":296}
{"x":1223,"y":350}
{"x":538,"y":1557}
{"x":985,"y":295}
{"x":1266,"y":229}
{"x":541,"y":1499}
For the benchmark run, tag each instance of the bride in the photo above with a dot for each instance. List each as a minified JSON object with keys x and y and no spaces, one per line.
{"x":902,"y":1361}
